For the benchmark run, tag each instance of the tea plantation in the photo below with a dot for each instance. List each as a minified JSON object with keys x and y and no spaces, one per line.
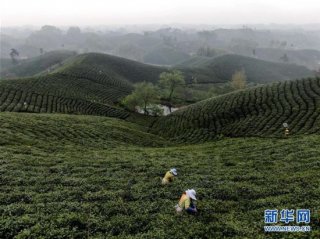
{"x":64,"y":176}
{"x":78,"y":173}
{"x":258,"y":111}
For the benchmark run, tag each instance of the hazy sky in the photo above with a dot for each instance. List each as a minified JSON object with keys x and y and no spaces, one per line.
{"x":108,"y":12}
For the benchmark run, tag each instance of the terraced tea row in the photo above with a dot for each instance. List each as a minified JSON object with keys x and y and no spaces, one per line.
{"x":70,"y":176}
{"x":91,"y":131}
{"x":26,"y":101}
{"x":116,"y":68}
{"x":259,"y":111}
{"x":71,"y":86}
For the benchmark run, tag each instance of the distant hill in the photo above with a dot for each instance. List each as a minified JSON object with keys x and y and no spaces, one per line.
{"x":35,"y":65}
{"x":4,"y":63}
{"x":165,"y":56}
{"x":258,"y":71}
{"x":258,"y":111}
{"x":307,"y":58}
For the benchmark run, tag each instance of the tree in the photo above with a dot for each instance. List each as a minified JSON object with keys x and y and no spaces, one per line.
{"x":143,"y":95}
{"x":13,"y":54}
{"x":171,"y":81}
{"x":239,"y":80}
{"x":284,"y":58}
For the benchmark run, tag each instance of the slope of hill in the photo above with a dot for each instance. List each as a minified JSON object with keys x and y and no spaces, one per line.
{"x":73,"y":129}
{"x":306,"y":57}
{"x":195,"y":62}
{"x":94,"y":83}
{"x":258,"y":71}
{"x":35,"y":65}
{"x":114,"y":67}
{"x":61,"y":94}
{"x":259,"y":111}
{"x":87,"y":84}
{"x":86,"y":177}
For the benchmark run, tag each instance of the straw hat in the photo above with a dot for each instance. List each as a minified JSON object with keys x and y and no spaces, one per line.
{"x":173,"y":171}
{"x":191,"y":193}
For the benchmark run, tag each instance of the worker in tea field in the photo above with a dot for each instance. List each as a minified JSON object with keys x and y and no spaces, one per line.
{"x":286,"y":132}
{"x":286,"y":129}
{"x":186,"y":202}
{"x":169,"y":176}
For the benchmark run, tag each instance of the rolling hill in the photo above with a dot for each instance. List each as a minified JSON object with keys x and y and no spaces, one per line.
{"x":258,"y":111}
{"x":305,"y":57}
{"x":94,"y":83}
{"x":87,"y":84}
{"x":258,"y":71}
{"x":35,"y":65}
{"x":114,"y":67}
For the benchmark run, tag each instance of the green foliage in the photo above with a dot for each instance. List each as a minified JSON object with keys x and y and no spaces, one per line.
{"x":171,"y":81}
{"x":143,"y":95}
{"x":132,"y":101}
{"x":68,"y":176}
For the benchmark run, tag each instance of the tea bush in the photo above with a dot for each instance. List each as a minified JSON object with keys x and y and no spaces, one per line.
{"x":64,"y":176}
{"x":259,"y":111}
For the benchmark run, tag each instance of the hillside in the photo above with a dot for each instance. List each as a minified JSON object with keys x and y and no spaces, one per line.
{"x":95,"y":83}
{"x":64,"y":94}
{"x":258,"y":71}
{"x":35,"y":65}
{"x":86,"y":84}
{"x":259,"y":111}
{"x":73,"y":176}
{"x":308,"y":58}
{"x":114,"y":67}
{"x":79,"y":130}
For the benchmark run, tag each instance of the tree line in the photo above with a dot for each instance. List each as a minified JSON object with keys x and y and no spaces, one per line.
{"x":146,"y":97}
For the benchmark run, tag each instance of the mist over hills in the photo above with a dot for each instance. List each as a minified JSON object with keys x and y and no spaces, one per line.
{"x":169,"y":46}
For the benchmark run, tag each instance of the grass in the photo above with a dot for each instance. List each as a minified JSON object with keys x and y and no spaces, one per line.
{"x":66,"y":176}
